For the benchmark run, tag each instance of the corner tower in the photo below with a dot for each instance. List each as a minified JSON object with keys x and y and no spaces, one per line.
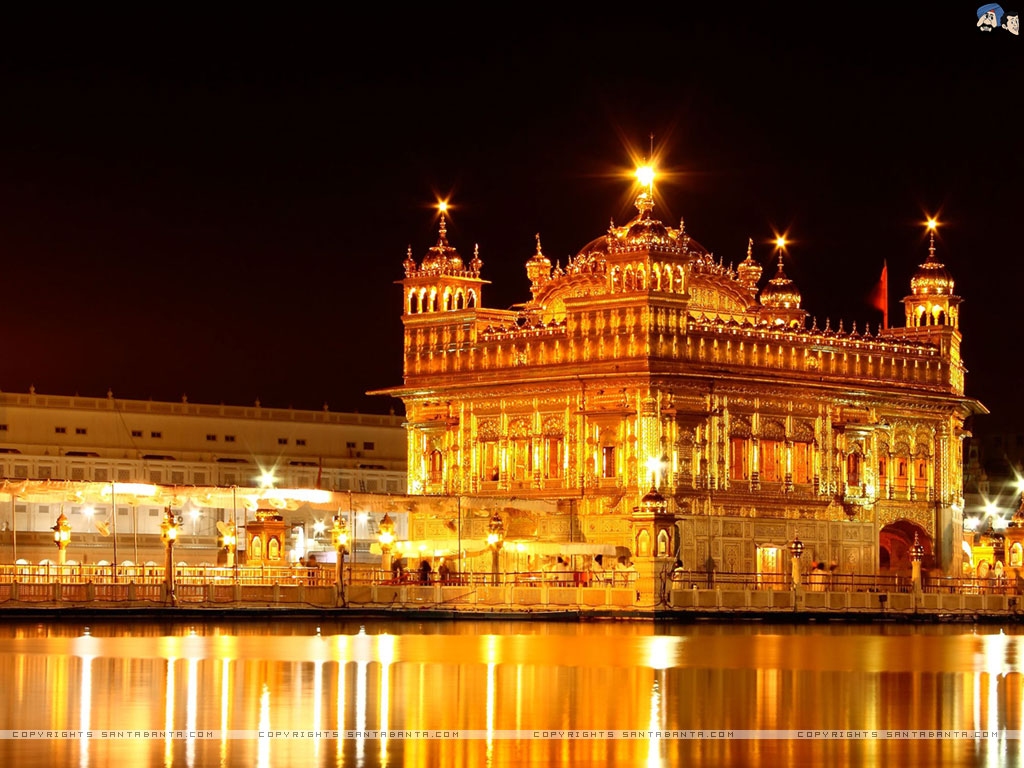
{"x":441,"y":282}
{"x":931,"y":301}
{"x":933,"y":312}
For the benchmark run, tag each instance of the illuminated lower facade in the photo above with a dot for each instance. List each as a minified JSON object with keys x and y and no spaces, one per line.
{"x":646,"y":361}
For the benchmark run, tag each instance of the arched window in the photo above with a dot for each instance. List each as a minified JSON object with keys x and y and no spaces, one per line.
{"x":472,"y":297}
{"x":641,"y":278}
{"x":643,"y":543}
{"x":803,"y":462}
{"x":552,"y":457}
{"x":412,"y":298}
{"x":853,"y":465}
{"x":655,"y":278}
{"x":901,"y":473}
{"x":521,"y":458}
{"x":460,"y":299}
{"x":627,"y":280}
{"x":739,"y":458}
{"x":921,"y":473}
{"x":663,"y":543}
{"x":771,"y":461}
{"x":608,"y":461}
{"x":1016,"y":555}
{"x":436,"y":467}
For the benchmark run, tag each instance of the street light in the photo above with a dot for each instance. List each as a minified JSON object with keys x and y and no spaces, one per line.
{"x":495,"y":540}
{"x":916,"y":556}
{"x":339,"y":538}
{"x":386,"y":537}
{"x":228,"y":540}
{"x":796,"y":548}
{"x":61,"y":538}
{"x":169,"y":534}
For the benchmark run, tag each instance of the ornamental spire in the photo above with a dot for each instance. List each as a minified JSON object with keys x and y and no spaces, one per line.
{"x":442,"y":231}
{"x":645,"y":200}
{"x":409,"y":263}
{"x":538,"y":269}
{"x":476,"y":263}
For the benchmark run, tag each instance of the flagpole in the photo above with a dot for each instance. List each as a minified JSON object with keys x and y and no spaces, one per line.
{"x":885,"y":294}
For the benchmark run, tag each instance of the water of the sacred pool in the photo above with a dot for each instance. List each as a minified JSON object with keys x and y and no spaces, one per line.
{"x":493,"y":677}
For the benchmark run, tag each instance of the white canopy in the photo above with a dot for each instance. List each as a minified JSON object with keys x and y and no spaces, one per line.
{"x":472,"y":547}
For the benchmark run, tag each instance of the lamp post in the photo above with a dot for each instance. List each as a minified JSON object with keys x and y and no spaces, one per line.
{"x":169,"y":534}
{"x":495,"y":540}
{"x":61,"y":538}
{"x":363,"y":518}
{"x":229,"y":540}
{"x":796,"y":548}
{"x":916,"y":556}
{"x":386,"y":537}
{"x":339,"y":537}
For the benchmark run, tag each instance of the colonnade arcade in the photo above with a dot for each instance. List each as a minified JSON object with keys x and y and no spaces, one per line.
{"x":809,"y":448}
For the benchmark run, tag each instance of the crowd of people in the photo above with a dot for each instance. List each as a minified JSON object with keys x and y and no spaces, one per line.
{"x":555,"y":570}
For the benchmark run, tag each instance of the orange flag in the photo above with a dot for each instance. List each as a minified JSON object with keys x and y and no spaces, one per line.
{"x":880,"y":295}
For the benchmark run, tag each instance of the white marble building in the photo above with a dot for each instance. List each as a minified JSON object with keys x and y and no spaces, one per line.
{"x":51,"y":437}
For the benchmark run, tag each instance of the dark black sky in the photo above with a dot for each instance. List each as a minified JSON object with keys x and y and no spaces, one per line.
{"x":218,"y":205}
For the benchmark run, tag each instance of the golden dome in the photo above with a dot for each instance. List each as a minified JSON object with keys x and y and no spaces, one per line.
{"x":645,"y":232}
{"x":442,"y":257}
{"x":781,"y":292}
{"x":932,"y":278}
{"x":648,"y":231}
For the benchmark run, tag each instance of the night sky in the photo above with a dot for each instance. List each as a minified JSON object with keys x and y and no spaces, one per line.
{"x":219,"y":205}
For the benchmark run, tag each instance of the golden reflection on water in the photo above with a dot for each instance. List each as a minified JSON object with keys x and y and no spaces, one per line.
{"x":494,"y":676}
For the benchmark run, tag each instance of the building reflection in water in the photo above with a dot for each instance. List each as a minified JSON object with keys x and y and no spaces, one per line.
{"x":493,"y":677}
{"x":168,"y":714}
{"x":84,"y":709}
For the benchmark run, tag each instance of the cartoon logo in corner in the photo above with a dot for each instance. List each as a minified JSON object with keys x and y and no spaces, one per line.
{"x":1011,"y":22}
{"x":992,"y":16}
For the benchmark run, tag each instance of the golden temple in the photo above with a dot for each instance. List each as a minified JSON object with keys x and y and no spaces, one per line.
{"x":645,"y":361}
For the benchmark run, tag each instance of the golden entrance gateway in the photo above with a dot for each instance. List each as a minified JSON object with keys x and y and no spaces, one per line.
{"x":646,"y":364}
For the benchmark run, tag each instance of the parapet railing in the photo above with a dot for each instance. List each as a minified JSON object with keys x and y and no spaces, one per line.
{"x":609,"y":578}
{"x":823,"y":581}
{"x":145,"y":574}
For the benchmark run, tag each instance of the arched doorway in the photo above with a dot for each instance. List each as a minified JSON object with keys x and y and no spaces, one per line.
{"x":894,"y":543}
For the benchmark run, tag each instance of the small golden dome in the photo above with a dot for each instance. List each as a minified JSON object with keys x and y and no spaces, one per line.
{"x":749,"y":271}
{"x":647,"y":231}
{"x":781,"y":292}
{"x":442,"y":256}
{"x":652,"y":497}
{"x":932,"y":278}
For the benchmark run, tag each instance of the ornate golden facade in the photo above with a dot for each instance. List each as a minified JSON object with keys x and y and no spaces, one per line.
{"x":644,"y":359}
